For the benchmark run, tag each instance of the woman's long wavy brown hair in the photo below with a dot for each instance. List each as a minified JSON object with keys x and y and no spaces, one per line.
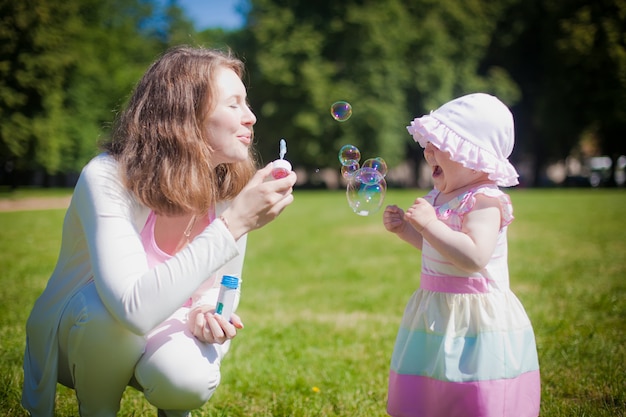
{"x":159,"y":142}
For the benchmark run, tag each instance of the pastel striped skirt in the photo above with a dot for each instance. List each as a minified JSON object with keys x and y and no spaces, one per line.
{"x":471,"y":354}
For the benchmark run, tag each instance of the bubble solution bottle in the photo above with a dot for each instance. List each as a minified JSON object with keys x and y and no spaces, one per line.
{"x":227,"y":295}
{"x":281,"y":168}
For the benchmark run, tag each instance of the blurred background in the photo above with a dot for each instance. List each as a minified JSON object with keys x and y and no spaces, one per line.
{"x":67,"y":67}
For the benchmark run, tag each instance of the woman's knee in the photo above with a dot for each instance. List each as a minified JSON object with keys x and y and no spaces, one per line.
{"x":177,"y":371}
{"x":178,"y":387}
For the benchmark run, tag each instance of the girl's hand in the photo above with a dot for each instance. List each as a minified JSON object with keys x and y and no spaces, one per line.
{"x":259,"y":202}
{"x":209,"y":327}
{"x":420,"y":214}
{"x":393,"y":219}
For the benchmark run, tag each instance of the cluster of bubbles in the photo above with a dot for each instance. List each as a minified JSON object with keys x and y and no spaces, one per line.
{"x":366,"y":187}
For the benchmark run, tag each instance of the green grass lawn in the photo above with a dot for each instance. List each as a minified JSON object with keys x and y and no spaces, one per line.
{"x":324,"y":292}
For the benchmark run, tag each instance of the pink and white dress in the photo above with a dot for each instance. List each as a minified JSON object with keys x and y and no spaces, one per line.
{"x":465,"y":346}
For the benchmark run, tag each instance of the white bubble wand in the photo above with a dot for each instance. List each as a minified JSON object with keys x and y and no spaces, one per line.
{"x":282,"y":167}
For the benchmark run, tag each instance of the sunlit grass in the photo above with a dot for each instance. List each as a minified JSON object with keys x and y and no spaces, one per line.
{"x":324,"y":291}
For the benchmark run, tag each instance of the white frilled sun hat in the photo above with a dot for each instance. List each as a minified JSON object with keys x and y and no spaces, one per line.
{"x":476,"y":130}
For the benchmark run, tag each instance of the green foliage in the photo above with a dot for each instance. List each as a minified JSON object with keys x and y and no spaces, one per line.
{"x":65,"y":66}
{"x":33,"y":61}
{"x":569,"y":60}
{"x":309,"y":56}
{"x":391,"y":60}
{"x":592,"y":41}
{"x":324,"y":291}
{"x":452,"y":44}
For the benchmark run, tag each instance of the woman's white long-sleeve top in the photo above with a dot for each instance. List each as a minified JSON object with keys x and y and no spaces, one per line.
{"x":101,"y":243}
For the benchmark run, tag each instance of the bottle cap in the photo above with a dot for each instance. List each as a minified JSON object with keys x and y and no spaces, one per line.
{"x":281,"y":168}
{"x":230,"y":282}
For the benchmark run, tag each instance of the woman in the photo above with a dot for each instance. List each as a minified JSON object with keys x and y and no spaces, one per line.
{"x":154,"y":219}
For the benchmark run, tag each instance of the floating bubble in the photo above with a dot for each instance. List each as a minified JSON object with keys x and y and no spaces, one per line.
{"x":365,"y":199}
{"x":349,"y":155}
{"x":348,"y":171}
{"x":341,"y":111}
{"x":377,"y":164}
{"x":368,"y":176}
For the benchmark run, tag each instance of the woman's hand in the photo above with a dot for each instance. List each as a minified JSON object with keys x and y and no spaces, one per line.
{"x":259,"y":202}
{"x":209,"y":327}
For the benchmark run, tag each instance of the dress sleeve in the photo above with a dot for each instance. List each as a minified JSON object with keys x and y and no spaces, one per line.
{"x":431,"y":196}
{"x":140,"y":297}
{"x":506,"y":208}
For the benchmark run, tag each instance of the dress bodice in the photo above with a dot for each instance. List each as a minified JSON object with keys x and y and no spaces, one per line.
{"x":452,"y":213}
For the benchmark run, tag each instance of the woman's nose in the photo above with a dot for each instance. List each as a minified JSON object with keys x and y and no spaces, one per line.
{"x":249,"y":118}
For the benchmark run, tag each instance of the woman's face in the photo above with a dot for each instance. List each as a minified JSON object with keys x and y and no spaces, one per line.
{"x":229,"y":126}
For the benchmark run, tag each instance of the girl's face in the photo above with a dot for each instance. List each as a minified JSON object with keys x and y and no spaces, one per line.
{"x":448,"y":175}
{"x":229,"y":126}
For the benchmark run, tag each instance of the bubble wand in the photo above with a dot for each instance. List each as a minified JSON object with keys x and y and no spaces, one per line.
{"x":282,"y":167}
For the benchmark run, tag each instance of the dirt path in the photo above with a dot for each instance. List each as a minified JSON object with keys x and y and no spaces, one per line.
{"x":35,"y":203}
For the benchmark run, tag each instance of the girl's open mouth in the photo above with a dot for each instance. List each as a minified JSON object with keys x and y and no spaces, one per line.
{"x":436,"y":170}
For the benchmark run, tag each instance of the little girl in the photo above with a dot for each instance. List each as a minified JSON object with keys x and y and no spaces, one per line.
{"x":465,"y":346}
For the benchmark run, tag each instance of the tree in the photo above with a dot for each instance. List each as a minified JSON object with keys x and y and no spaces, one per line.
{"x":569,"y":59}
{"x":391,"y":60}
{"x":448,"y":55}
{"x":591,"y":47}
{"x":34,"y":59}
{"x":115,"y":48}
{"x":66,"y":66}
{"x":306,"y":55}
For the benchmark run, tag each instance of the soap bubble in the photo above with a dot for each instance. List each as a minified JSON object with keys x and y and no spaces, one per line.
{"x":349,"y":155}
{"x":365,"y":199}
{"x":368,"y":176}
{"x":348,"y":171}
{"x":341,"y":111}
{"x":377,"y":164}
